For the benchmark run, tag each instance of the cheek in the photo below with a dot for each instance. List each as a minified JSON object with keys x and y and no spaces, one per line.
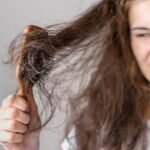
{"x":141,"y":50}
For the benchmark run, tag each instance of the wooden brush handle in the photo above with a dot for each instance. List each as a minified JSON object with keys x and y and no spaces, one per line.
{"x":27,"y":92}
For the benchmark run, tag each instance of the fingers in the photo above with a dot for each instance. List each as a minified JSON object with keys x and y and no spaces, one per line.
{"x":14,"y":118}
{"x":15,"y":101}
{"x":12,"y":126}
{"x":10,"y":137}
{"x":14,"y":114}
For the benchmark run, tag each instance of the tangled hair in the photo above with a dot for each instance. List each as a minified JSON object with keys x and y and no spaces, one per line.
{"x":95,"y":72}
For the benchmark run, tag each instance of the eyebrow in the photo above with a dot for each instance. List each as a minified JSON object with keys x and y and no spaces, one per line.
{"x":140,"y":28}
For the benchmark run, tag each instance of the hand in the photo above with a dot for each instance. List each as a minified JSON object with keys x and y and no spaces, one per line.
{"x":15,"y":122}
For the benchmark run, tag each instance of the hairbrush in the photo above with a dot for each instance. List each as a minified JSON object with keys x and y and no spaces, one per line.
{"x":34,"y":61}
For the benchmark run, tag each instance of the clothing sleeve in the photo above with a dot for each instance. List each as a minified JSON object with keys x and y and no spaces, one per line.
{"x":70,"y":142}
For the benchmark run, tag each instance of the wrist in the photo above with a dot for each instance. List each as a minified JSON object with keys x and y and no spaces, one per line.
{"x":33,"y":141}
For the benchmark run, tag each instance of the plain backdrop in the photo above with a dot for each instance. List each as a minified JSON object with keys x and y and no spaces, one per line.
{"x":14,"y":16}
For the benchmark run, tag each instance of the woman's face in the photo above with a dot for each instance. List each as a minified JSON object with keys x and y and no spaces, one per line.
{"x":139,"y":22}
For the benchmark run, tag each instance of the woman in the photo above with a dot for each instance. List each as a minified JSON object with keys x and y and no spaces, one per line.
{"x":110,"y":109}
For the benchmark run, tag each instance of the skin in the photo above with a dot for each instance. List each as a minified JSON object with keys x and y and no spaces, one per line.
{"x":139,"y":22}
{"x":15,"y":121}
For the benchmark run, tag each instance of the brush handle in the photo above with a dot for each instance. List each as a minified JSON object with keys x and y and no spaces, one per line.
{"x":27,"y":92}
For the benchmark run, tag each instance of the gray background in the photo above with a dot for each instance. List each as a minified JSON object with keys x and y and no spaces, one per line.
{"x":14,"y":16}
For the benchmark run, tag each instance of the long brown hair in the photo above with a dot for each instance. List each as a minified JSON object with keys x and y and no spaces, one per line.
{"x":95,"y":72}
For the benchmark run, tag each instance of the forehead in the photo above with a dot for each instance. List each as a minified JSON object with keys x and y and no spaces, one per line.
{"x":139,"y":13}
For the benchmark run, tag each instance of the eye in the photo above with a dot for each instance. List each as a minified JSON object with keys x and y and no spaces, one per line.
{"x":143,"y":35}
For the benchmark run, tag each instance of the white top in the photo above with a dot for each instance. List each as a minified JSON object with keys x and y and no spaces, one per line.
{"x":65,"y":144}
